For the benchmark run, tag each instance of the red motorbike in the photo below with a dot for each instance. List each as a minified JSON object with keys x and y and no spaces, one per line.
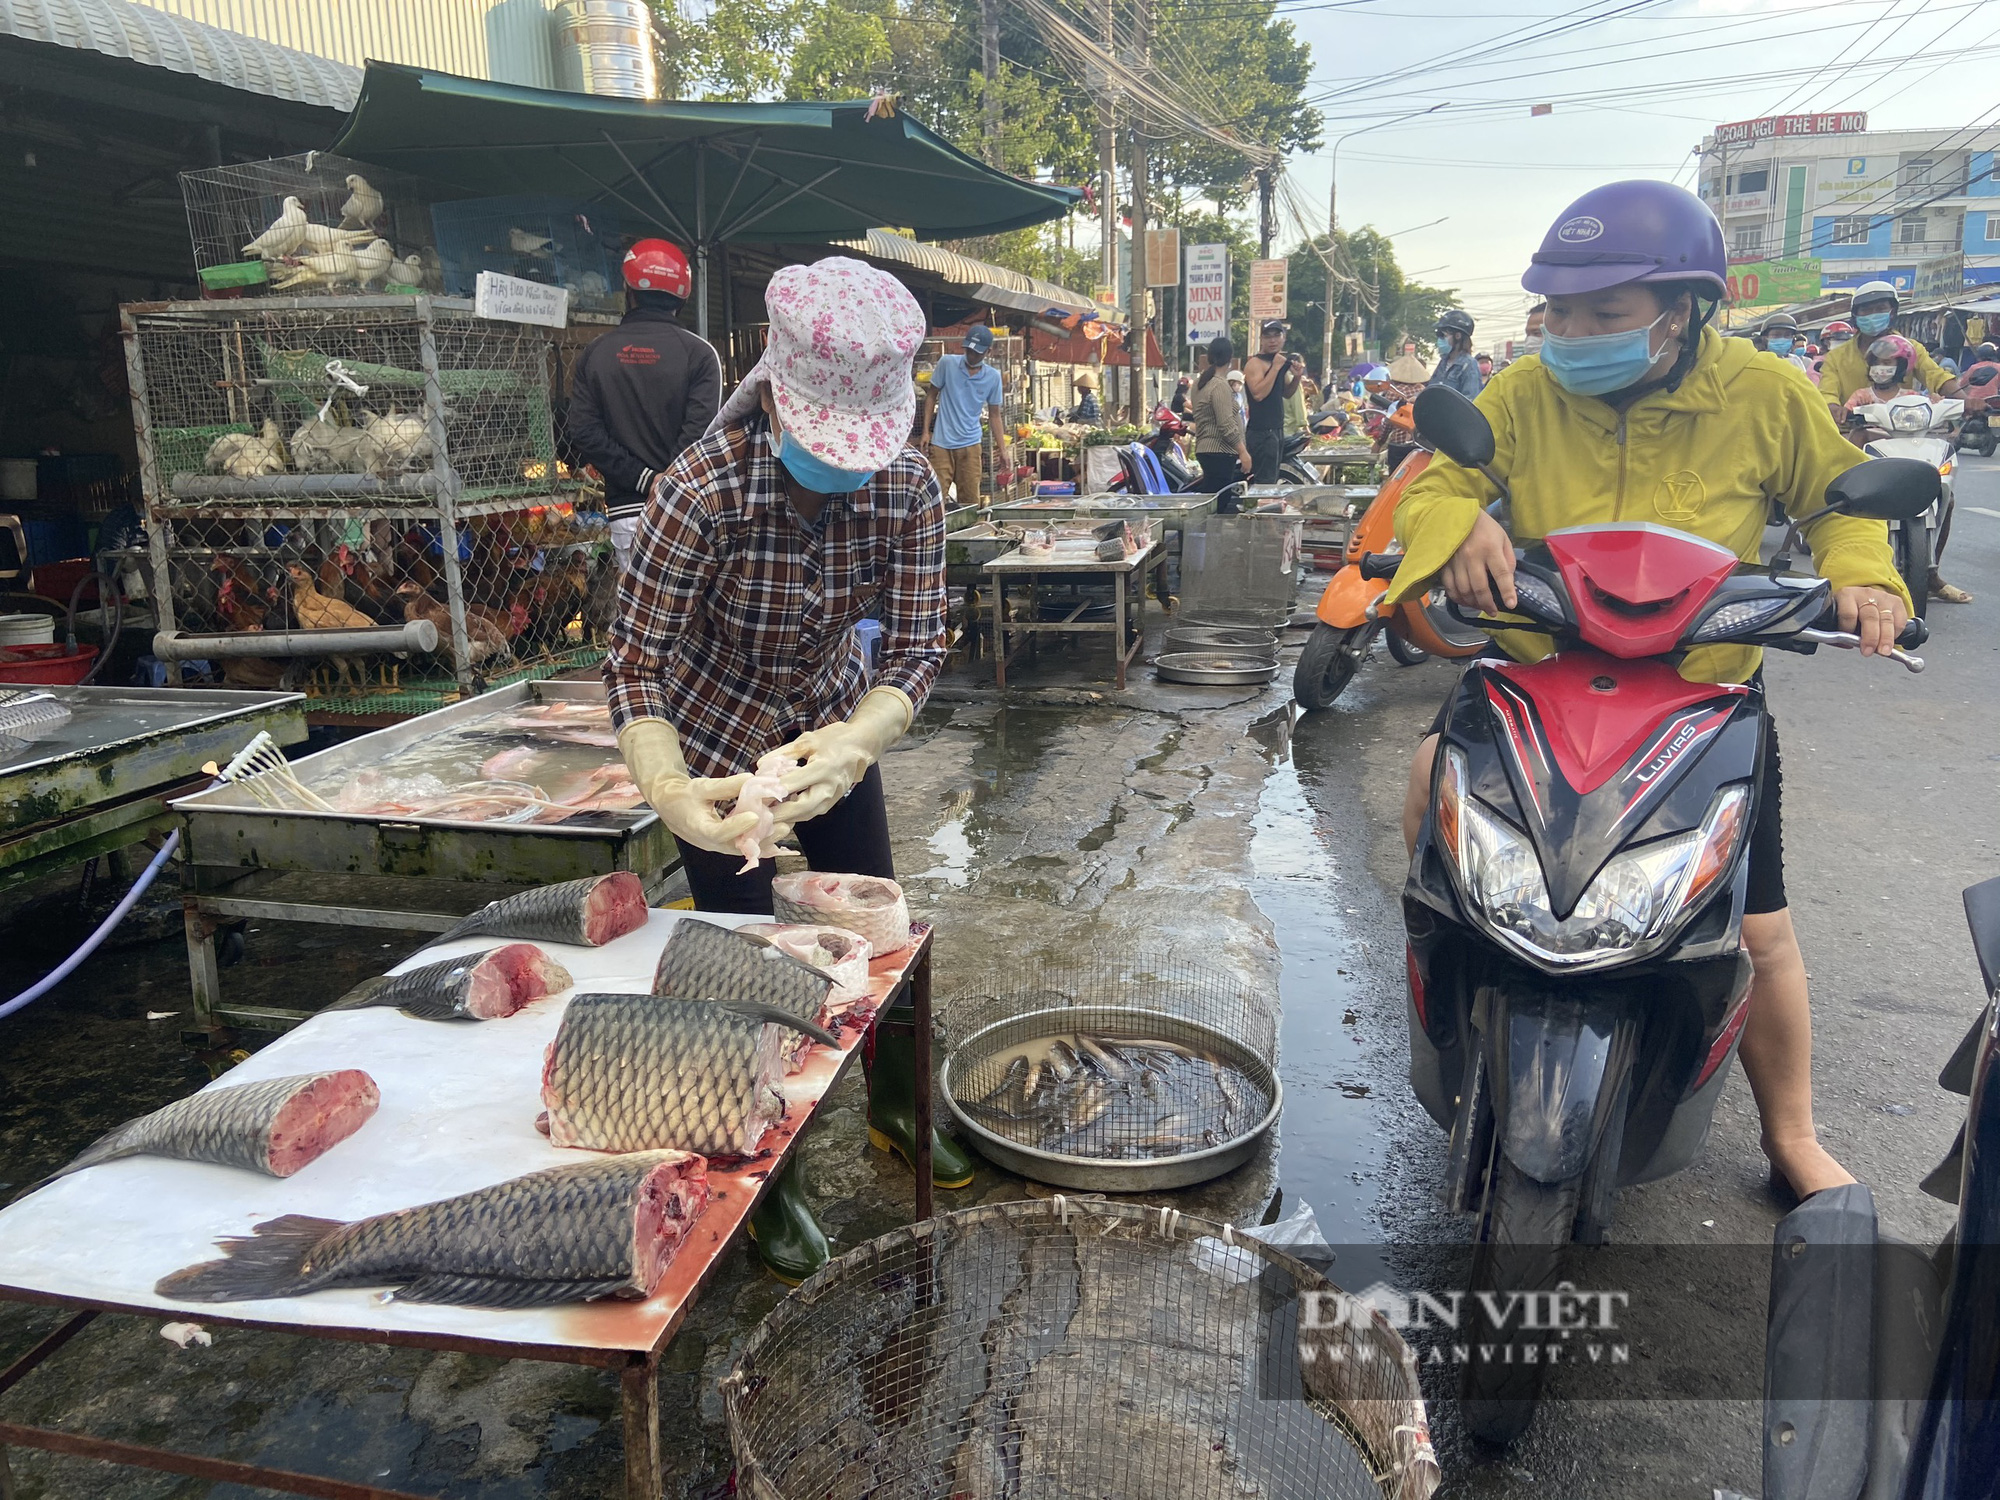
{"x":1577,"y":983}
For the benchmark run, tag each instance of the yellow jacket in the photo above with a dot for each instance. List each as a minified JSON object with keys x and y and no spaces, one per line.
{"x":1845,"y":371}
{"x":1742,"y":430}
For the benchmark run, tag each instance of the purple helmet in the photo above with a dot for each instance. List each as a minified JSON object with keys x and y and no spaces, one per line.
{"x":1629,"y":231}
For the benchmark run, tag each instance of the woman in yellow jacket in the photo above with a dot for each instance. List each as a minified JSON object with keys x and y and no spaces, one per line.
{"x":1635,"y":410}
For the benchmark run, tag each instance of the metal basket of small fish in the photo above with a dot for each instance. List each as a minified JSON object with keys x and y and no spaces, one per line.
{"x":1067,"y":1349}
{"x":1120,"y":1077}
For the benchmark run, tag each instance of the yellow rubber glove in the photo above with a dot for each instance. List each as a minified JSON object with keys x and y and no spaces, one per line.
{"x":839,"y":755}
{"x":687,"y":805}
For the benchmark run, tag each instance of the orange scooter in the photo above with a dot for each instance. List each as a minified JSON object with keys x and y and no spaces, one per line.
{"x":1347,"y":623}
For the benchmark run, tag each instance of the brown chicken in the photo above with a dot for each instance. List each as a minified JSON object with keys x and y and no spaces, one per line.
{"x":239,"y":596}
{"x":484,"y":640}
{"x":316,"y":611}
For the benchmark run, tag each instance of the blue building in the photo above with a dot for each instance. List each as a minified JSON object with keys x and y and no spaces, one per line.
{"x":1917,"y":208}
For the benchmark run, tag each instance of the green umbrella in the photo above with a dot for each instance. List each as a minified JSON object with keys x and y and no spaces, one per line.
{"x":704,"y":173}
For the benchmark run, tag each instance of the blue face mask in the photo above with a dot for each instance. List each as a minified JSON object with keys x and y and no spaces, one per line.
{"x":816,"y":474}
{"x":1600,"y":363}
{"x":1780,"y":347}
{"x":1873,"y":323}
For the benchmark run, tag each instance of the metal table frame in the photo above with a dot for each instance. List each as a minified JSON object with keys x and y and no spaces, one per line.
{"x":1037,"y":570}
{"x":638,"y":1373}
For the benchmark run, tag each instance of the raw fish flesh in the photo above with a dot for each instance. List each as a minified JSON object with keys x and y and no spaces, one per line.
{"x":841,"y":955}
{"x":704,"y":961}
{"x":274,"y":1126}
{"x":589,"y":912}
{"x":569,"y":1234}
{"x":867,"y":905}
{"x":638,"y":1072}
{"x":473,"y":987}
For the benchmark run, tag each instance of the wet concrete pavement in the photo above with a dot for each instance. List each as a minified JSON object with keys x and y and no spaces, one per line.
{"x":1200,"y":824}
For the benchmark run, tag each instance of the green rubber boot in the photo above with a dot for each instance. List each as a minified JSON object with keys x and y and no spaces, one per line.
{"x":892,"y":1110}
{"x":789,"y":1240}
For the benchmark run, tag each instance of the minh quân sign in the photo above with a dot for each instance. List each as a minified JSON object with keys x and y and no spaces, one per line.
{"x":1743,"y":132}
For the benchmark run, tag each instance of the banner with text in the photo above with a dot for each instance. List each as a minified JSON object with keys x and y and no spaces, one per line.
{"x":1769,"y":283}
{"x":1268,"y":289}
{"x":514,"y":300}
{"x":1207,"y":292}
{"x":1163,"y":257}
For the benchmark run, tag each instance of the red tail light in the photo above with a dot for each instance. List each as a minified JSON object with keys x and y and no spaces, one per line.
{"x":1416,"y":985}
{"x":1731,"y":1029}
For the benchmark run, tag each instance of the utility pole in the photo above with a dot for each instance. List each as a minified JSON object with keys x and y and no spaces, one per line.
{"x":989,"y":64}
{"x":1107,"y":164}
{"x":1265,"y":187}
{"x":1136,"y":151}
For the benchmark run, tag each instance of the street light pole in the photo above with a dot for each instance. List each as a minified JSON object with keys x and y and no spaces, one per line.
{"x":1333,"y":213}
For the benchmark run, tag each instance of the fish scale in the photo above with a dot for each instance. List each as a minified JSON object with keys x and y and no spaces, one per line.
{"x":635,"y":1072}
{"x":563,"y":1234}
{"x":560,"y":913}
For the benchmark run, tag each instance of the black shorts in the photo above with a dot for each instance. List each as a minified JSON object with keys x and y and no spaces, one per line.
{"x":1767,"y":835}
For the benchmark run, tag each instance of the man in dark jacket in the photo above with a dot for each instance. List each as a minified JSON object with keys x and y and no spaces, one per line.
{"x":644,"y":391}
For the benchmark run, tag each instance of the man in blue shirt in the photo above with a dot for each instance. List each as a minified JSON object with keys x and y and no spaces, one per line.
{"x":961,"y":386}
{"x":1456,"y":367}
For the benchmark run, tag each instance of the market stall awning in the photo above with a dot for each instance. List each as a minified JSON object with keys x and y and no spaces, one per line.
{"x":703,"y":173}
{"x":975,"y":280}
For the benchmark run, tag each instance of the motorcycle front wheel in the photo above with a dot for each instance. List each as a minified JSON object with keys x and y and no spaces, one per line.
{"x":1912,"y":543}
{"x":1293,"y":472}
{"x":1407,"y":652}
{"x":1327,"y":664}
{"x":1524,"y":1239}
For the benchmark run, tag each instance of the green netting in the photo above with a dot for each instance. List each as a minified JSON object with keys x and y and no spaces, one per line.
{"x":421,"y":695}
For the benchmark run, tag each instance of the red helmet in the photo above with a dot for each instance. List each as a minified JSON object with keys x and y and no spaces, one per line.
{"x":658,"y":266}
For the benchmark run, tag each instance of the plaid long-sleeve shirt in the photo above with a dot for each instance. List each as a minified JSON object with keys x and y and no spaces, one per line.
{"x":735,"y":623}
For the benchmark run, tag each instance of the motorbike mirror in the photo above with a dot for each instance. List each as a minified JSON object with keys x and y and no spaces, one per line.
{"x":1454,"y":426}
{"x":1885,"y":489}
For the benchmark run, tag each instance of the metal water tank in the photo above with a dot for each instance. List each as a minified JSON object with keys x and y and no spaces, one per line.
{"x":607,"y":48}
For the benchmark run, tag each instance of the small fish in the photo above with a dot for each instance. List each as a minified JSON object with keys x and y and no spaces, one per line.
{"x":474,"y":987}
{"x":1013,"y":1085}
{"x":641,"y":1072}
{"x":588,"y":912}
{"x":1104,"y":1055}
{"x":274,"y":1126}
{"x":568,"y":1234}
{"x":867,"y":905}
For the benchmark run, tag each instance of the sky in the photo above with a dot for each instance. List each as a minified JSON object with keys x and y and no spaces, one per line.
{"x":1634,"y":85}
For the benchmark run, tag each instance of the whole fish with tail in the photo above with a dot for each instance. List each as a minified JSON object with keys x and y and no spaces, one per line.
{"x":568,"y":1234}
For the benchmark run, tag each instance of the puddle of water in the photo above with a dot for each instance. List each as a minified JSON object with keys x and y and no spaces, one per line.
{"x":1004,"y":746}
{"x":1333,"y":1137}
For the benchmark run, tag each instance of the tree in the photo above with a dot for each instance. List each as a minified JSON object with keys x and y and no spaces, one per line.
{"x":1369,"y":294}
{"x":1242,"y":67}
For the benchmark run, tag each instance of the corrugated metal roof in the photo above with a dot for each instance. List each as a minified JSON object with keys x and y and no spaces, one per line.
{"x":119,"y":28}
{"x":963,"y":271}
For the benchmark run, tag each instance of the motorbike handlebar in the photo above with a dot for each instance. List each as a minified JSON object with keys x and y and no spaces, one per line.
{"x":1381,"y":564}
{"x":1915,"y":633}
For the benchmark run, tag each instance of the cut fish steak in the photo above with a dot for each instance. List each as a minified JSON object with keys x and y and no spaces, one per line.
{"x":639,"y":1072}
{"x":866,"y":905}
{"x":568,"y":1234}
{"x":274,"y":1126}
{"x":704,"y":961}
{"x":588,"y":912}
{"x":474,"y":987}
{"x":839,"y":954}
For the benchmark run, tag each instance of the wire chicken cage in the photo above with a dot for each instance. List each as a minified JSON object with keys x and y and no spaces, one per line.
{"x":556,"y":241}
{"x":363,"y":460}
{"x":309,"y":225}
{"x":1062,"y":1350}
{"x":1122,"y":1075}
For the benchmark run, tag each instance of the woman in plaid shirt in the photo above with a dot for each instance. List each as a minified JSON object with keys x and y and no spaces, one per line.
{"x":802,"y":511}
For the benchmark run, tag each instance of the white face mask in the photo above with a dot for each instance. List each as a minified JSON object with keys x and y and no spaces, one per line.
{"x":1881,"y":374}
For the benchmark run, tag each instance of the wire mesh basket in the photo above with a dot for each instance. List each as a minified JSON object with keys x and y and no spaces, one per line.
{"x":1061,"y":1349}
{"x":348,"y":461}
{"x":1125,"y":1076}
{"x":308,"y":225}
{"x":1240,"y":570}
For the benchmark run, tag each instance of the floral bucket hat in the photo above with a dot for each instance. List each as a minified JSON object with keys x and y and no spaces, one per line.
{"x":843,"y":336}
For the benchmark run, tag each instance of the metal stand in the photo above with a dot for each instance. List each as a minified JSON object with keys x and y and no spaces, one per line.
{"x":638,"y":1372}
{"x":1037,"y":571}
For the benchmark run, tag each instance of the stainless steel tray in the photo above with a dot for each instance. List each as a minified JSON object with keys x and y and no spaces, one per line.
{"x":122,"y":741}
{"x":1225,"y":668}
{"x":1248,"y":641}
{"x":226,"y":828}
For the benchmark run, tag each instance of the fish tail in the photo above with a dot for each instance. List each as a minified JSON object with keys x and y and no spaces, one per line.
{"x":470,"y":926}
{"x":362,"y":995}
{"x":269,"y":1262}
{"x":113,"y":1144}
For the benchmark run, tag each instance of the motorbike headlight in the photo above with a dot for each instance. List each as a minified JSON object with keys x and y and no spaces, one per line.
{"x":1741,"y":618}
{"x":1632,"y":904}
{"x":1910,"y":418}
